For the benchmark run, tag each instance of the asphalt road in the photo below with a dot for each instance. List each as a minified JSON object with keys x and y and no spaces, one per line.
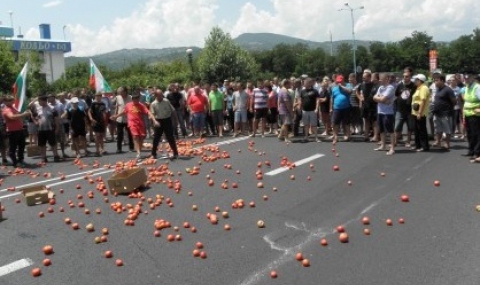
{"x":437,"y":244}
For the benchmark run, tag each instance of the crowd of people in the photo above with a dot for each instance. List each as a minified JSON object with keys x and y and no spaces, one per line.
{"x":383,"y":108}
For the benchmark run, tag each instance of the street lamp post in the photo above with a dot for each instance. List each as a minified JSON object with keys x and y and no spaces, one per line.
{"x":11,"y":18}
{"x":190,"y":58}
{"x":349,"y":8}
{"x":64,"y":35}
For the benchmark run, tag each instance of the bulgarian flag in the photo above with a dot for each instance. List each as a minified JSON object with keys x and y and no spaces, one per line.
{"x":20,"y":90}
{"x":97,"y":81}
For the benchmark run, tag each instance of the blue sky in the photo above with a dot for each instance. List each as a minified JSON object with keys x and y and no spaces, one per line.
{"x":101,"y":26}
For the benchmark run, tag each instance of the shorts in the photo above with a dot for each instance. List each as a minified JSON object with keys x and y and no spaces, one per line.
{"x":402,"y":119}
{"x":285,"y":119}
{"x":66,"y":128}
{"x":32,"y":128}
{"x":443,"y":124}
{"x":261,"y":113}
{"x":198,"y":120}
{"x":250,"y":115}
{"x":341,"y":117}
{"x":78,"y":133}
{"x":99,"y":128}
{"x":217,"y":117}
{"x":240,"y":116}
{"x":60,"y":135}
{"x":386,"y":123}
{"x":326,"y":120}
{"x":272,"y":117}
{"x":355,"y":116}
{"x":309,"y":118}
{"x":46,"y":136}
{"x":137,"y":130}
{"x":370,"y":115}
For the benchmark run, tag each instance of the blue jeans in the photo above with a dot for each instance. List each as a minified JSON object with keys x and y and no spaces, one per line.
{"x":198,"y":120}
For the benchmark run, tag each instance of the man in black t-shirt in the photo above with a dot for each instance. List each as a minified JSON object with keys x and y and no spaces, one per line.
{"x":309,"y":103}
{"x":97,"y":113}
{"x":77,"y":119}
{"x":443,"y":106}
{"x":403,"y":105}
{"x":368,"y":89}
{"x":324,"y":99}
{"x":178,"y":102}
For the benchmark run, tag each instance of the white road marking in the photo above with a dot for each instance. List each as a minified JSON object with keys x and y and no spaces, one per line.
{"x":289,"y":252}
{"x":58,"y":183}
{"x":53,"y":179}
{"x":297,"y":163}
{"x":94,"y":172}
{"x":14,"y":266}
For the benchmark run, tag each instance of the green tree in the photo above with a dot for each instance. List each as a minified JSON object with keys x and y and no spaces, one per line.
{"x":222,"y":58}
{"x":414,"y":50}
{"x":8,"y":69}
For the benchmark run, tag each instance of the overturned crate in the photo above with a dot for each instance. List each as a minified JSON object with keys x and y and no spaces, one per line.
{"x":127,"y":181}
{"x":37,"y":195}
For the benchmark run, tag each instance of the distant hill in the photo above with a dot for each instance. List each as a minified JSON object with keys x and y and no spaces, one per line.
{"x":122,"y":58}
{"x":265,"y":41}
{"x":250,"y":41}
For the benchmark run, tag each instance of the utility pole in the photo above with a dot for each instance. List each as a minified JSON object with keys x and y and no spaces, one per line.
{"x":349,"y":8}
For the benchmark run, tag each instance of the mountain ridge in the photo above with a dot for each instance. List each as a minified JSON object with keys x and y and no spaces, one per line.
{"x":122,"y":58}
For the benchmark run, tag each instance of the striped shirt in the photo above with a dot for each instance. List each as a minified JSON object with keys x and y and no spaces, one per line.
{"x":260,"y":98}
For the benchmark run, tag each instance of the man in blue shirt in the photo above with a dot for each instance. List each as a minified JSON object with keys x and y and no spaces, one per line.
{"x":340,"y":108}
{"x":385,"y":98}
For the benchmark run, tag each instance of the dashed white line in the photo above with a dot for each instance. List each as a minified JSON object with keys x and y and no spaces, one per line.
{"x":94,"y":172}
{"x":297,"y":163}
{"x":14,"y":266}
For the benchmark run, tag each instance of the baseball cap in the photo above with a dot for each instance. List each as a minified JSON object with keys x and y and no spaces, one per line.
{"x":339,"y":79}
{"x":74,"y":100}
{"x":420,"y":77}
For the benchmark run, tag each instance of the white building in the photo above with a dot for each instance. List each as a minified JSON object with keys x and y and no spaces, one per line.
{"x":52,"y":51}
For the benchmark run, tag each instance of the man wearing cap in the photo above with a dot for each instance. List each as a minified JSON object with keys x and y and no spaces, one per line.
{"x":77,"y":117}
{"x":420,"y":110}
{"x":471,"y":111}
{"x":97,"y":113}
{"x":14,"y":127}
{"x":47,"y":119}
{"x":340,"y":108}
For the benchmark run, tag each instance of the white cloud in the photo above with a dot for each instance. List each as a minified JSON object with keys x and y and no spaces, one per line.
{"x":32,"y":33}
{"x":380,"y":20}
{"x":52,"y":3}
{"x":173,"y":23}
{"x":156,"y":24}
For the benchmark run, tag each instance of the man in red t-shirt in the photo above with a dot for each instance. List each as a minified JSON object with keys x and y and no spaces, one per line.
{"x":198,"y":104}
{"x":135,"y":111}
{"x":16,"y":135}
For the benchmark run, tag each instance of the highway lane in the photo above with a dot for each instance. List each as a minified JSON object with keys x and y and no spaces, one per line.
{"x":434,"y":246}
